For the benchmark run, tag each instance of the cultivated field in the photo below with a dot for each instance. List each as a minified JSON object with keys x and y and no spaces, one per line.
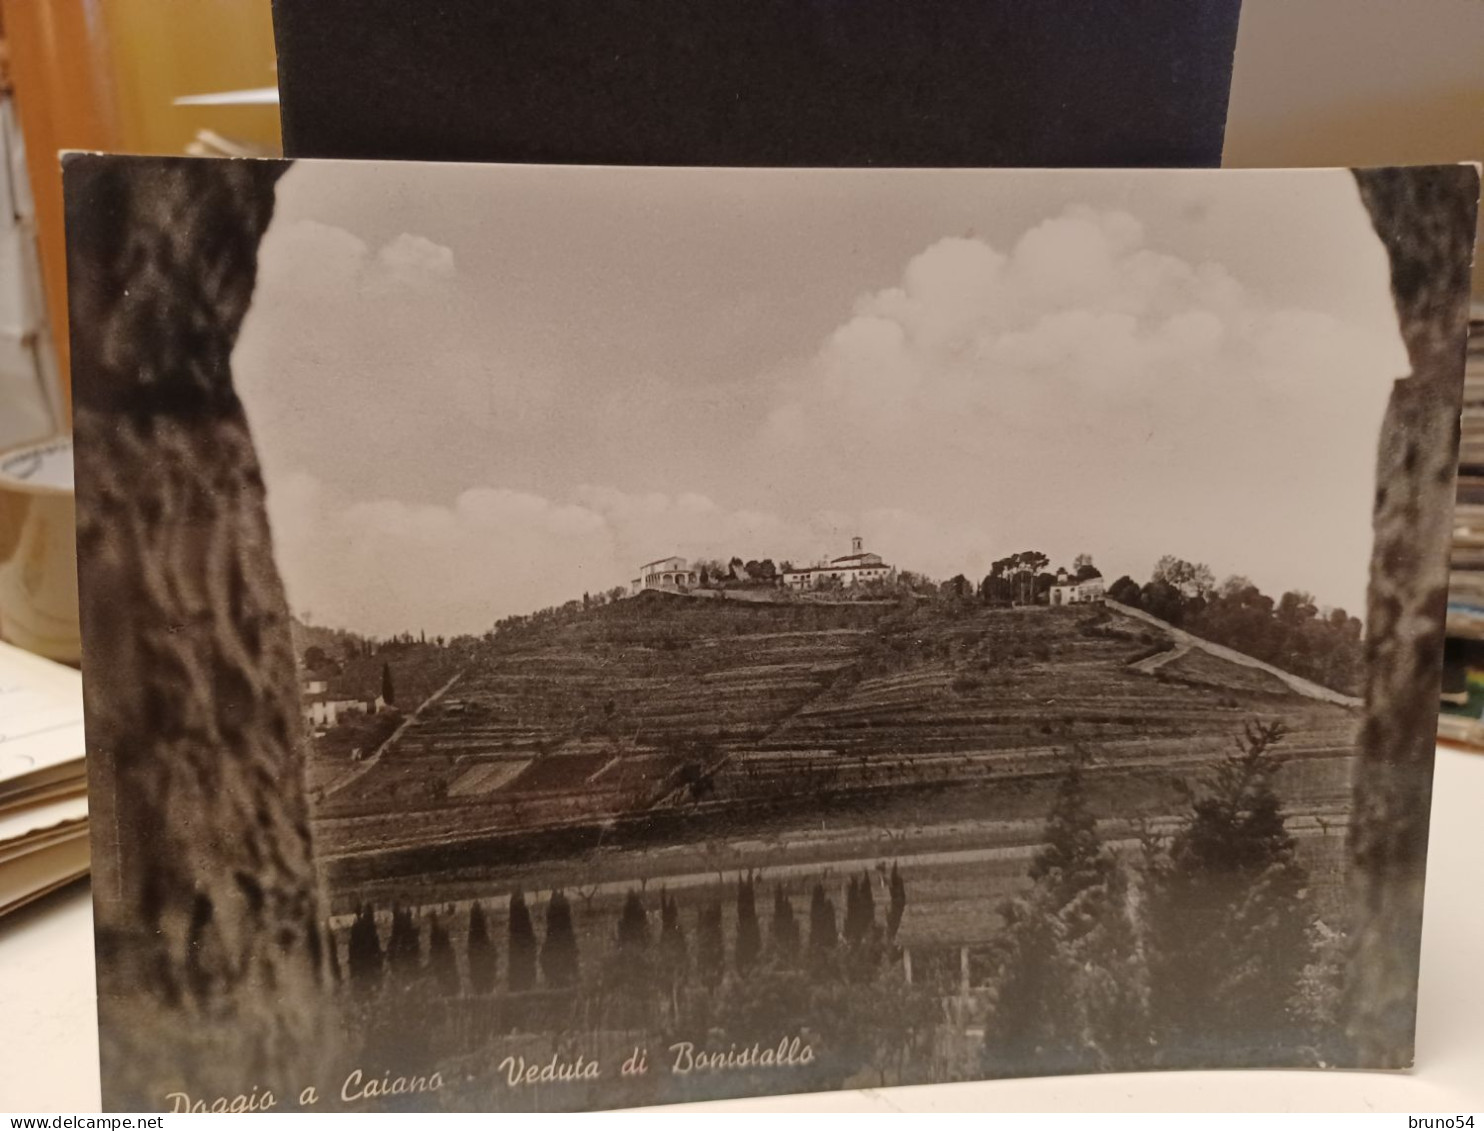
{"x":667,"y":742}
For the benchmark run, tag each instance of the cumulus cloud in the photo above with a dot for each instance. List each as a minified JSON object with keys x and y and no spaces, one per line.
{"x":1079,"y":312}
{"x":323,"y":259}
{"x":1186,"y":368}
{"x":362,"y":362}
{"x":413,"y":261}
{"x":1083,"y":388}
{"x":386,"y":566}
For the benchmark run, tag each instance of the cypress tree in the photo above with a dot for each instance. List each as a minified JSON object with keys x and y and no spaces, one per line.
{"x":1018,"y":1036}
{"x":441,"y":959}
{"x":559,"y":965}
{"x":672,"y":940}
{"x":388,"y":691}
{"x":481,"y":952}
{"x":1067,"y":979}
{"x":850,"y":929}
{"x":897,"y":906}
{"x":784,"y":930}
{"x":633,"y":925}
{"x":631,"y":968}
{"x":823,"y":934}
{"x":860,"y":911}
{"x":1232,"y":926}
{"x":867,"y":907}
{"x":1071,"y":857}
{"x":404,"y":947}
{"x":749,"y":935}
{"x":711,"y":954}
{"x":520,"y":972}
{"x":364,"y":956}
{"x":862,"y":934}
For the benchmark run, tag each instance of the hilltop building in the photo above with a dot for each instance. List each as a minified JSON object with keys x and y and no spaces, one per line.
{"x":1070,"y":591}
{"x":854,"y":568}
{"x":673,"y":573}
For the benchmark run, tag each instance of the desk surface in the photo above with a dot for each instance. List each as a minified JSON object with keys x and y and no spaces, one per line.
{"x":49,"y":1031}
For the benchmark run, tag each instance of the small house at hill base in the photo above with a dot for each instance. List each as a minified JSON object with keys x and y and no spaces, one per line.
{"x":324,"y":708}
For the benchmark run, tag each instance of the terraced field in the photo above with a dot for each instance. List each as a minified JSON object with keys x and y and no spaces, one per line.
{"x":667,"y":740}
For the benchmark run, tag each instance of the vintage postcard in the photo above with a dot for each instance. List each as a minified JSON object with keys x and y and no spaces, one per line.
{"x":565,"y":638}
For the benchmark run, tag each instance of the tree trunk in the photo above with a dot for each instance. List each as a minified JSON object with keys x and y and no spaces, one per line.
{"x":1425,"y":218}
{"x":212,"y":966}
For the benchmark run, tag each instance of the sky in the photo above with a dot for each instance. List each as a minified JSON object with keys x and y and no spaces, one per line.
{"x":480,"y":390}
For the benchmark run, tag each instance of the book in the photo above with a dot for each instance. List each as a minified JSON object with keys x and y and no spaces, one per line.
{"x":676,"y":633}
{"x":758,"y":82}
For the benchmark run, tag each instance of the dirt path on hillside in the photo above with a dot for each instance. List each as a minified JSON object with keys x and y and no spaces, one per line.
{"x":1185,"y":641}
{"x":366,"y":765}
{"x":1151,"y":664}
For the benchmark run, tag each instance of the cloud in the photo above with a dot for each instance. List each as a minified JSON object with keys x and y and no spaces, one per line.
{"x":413,"y":261}
{"x":322,"y":260}
{"x":363,"y":362}
{"x":1120,"y":380}
{"x":1084,"y":389}
{"x":1078,"y":310}
{"x":387,"y":566}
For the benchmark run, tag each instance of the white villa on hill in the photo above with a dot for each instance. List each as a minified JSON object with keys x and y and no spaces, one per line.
{"x":665,"y":573}
{"x":1069,"y":591}
{"x":854,"y":568}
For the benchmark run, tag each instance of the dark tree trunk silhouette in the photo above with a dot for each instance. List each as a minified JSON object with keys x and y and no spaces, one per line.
{"x":212,"y":963}
{"x":1425,"y":218}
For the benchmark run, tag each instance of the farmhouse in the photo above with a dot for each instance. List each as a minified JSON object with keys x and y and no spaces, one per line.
{"x":322,"y":711}
{"x":671,"y":573}
{"x":854,"y":568}
{"x":324,"y":708}
{"x":1070,"y":591}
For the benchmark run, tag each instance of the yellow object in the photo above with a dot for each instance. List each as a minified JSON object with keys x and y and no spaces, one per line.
{"x":161,"y":50}
{"x":105,"y":76}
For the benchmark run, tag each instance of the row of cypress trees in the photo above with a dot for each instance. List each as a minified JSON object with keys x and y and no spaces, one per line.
{"x":371,"y":967}
{"x":786,"y":945}
{"x":668,"y":957}
{"x":1201,"y":948}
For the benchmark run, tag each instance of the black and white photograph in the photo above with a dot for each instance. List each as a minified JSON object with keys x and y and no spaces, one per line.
{"x":587,"y":637}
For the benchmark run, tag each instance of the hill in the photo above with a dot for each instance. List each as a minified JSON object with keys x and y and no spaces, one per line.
{"x":705,"y":735}
{"x":332,"y":640}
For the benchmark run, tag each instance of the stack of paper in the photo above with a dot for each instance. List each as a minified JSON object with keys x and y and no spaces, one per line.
{"x":1462,"y":719}
{"x":1466,"y":587}
{"x":43,"y":800}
